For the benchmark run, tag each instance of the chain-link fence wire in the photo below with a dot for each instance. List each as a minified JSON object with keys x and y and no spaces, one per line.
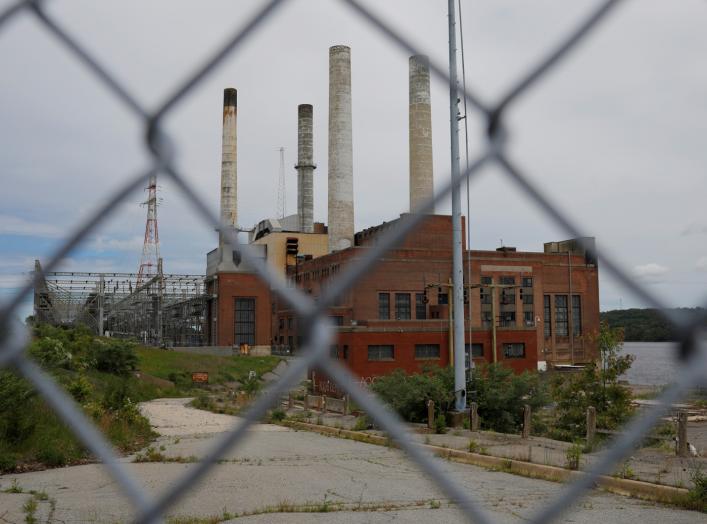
{"x":318,"y":334}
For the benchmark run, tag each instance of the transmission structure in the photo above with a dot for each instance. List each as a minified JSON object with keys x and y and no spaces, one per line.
{"x":151,"y":247}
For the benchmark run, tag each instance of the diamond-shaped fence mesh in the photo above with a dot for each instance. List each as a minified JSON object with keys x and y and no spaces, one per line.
{"x":319,"y":333}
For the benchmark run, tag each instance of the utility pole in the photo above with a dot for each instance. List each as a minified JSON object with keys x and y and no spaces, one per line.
{"x":457,"y":268}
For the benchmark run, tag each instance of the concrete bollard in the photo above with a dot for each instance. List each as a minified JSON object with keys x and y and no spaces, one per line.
{"x":526,"y":421}
{"x":430,"y":414}
{"x":323,"y":405}
{"x":474,"y":415}
{"x":682,"y":434}
{"x":591,"y":425}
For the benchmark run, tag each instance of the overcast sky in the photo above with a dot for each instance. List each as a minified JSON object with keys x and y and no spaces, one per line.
{"x":615,"y":135}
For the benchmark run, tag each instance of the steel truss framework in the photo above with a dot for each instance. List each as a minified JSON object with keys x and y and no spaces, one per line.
{"x":166,"y":310}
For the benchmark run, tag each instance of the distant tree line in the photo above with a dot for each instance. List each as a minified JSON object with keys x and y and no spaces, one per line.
{"x":645,"y":325}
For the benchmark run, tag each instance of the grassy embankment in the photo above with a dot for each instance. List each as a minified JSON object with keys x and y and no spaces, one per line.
{"x":102,"y":377}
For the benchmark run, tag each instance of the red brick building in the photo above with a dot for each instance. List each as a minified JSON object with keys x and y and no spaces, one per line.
{"x":542,"y":307}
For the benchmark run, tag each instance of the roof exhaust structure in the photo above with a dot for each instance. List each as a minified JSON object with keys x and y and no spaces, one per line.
{"x":229,"y":157}
{"x":420,"y":121}
{"x":340,"y":198}
{"x":305,"y":168}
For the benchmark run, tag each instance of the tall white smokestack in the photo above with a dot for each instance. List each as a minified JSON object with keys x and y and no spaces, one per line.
{"x":229,"y":157}
{"x":421,"y":183}
{"x":341,"y":211}
{"x":305,"y":168}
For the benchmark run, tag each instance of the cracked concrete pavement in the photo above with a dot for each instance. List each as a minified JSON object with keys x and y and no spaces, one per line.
{"x":274,"y":465}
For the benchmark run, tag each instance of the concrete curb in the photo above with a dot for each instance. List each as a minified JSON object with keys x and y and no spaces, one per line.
{"x":626,"y":487}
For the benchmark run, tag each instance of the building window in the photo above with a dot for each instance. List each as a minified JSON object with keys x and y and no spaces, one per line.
{"x":507,"y":319}
{"x":514,"y":350}
{"x":244,"y":321}
{"x":527,"y":281}
{"x":561,"y":315}
{"x":420,"y":306}
{"x":508,"y":296}
{"x":486,"y":281}
{"x":442,"y":298}
{"x":291,"y":341}
{"x":547,"y":327}
{"x":477,"y":349}
{"x":526,"y":296}
{"x":427,"y":351}
{"x":334,"y":352}
{"x":337,"y":320}
{"x":381,"y":352}
{"x":486,"y":319}
{"x":281,"y":323}
{"x":290,"y":323}
{"x":402,"y":306}
{"x":345,"y":355}
{"x":528,"y":319}
{"x":576,"y":315}
{"x":383,"y":306}
{"x":507,"y":281}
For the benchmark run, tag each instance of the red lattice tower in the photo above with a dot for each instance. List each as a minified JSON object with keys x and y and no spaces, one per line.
{"x":151,"y":246}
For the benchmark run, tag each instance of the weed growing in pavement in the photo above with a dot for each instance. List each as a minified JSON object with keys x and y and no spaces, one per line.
{"x":475,"y":447}
{"x":152,"y":455}
{"x":14,"y":488}
{"x":573,"y":456}
{"x":29,"y":508}
{"x":435,"y":504}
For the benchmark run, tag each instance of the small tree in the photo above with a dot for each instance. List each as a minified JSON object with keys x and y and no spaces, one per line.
{"x":597,"y":385}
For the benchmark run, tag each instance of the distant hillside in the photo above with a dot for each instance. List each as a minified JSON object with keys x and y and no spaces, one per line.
{"x":645,"y":325}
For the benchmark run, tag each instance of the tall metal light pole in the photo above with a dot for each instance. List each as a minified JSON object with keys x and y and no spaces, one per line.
{"x":457,"y":268}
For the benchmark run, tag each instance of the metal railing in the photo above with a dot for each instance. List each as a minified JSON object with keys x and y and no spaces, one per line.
{"x":313,"y":317}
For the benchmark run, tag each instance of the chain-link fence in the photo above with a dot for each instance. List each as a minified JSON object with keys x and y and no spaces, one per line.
{"x":317,"y":332}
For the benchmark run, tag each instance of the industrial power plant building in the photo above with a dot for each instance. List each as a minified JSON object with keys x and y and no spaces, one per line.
{"x":526,"y":310}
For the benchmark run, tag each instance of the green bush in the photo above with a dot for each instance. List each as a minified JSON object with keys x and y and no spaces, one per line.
{"x":278,"y":415}
{"x":51,"y":353}
{"x":16,"y":396}
{"x":408,"y":394}
{"x":113,"y":356}
{"x":501,"y":394}
{"x":80,"y":388}
{"x":440,"y":424}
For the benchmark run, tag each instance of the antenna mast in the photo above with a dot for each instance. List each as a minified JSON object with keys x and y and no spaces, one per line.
{"x":151,"y":246}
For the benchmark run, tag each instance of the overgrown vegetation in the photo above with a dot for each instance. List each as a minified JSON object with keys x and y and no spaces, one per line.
{"x":97,"y":374}
{"x":558,"y":402}
{"x":501,"y":395}
{"x":107,"y":377}
{"x":596,"y":385}
{"x":408,"y":394}
{"x":697,"y":494}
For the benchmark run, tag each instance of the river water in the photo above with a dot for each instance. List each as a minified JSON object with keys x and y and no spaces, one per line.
{"x":655,"y":363}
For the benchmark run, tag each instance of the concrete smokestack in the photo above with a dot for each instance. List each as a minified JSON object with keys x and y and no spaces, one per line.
{"x":341,"y":211}
{"x":229,"y":157}
{"x":305,"y":168}
{"x":421,"y":184}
